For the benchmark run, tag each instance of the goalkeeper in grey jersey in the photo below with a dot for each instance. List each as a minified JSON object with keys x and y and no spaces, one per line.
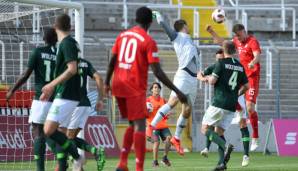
{"x":185,"y":77}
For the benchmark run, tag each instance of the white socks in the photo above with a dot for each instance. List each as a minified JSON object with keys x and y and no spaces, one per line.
{"x":181,"y":122}
{"x":162,"y":112}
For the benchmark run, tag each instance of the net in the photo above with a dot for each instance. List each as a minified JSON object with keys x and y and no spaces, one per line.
{"x":21,"y":27}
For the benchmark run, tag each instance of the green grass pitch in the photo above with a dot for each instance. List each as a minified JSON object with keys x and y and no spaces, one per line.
{"x":190,"y":162}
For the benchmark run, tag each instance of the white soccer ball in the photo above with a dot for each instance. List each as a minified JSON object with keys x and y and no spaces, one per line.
{"x":149,"y":107}
{"x":218,"y":15}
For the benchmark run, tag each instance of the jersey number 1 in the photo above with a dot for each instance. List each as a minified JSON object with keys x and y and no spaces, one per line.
{"x":233,"y":80}
{"x":48,"y":70}
{"x":128,"y":50}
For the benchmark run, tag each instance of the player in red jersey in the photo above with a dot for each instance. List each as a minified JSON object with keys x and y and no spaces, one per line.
{"x":249,"y":53}
{"x":132,"y":53}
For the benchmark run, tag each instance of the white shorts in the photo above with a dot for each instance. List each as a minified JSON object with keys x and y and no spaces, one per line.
{"x":39,"y":111}
{"x":241,"y":101}
{"x":61,"y":111}
{"x":187,"y":84}
{"x":215,"y":116}
{"x":240,"y":114}
{"x":79,"y":117}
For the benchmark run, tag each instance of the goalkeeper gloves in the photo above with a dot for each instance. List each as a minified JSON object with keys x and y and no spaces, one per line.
{"x":158,"y":16}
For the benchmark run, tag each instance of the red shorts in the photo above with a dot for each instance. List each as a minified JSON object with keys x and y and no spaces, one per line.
{"x":132,"y":108}
{"x":253,"y":91}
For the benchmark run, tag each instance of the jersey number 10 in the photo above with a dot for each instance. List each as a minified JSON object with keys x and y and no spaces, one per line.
{"x":128,"y":50}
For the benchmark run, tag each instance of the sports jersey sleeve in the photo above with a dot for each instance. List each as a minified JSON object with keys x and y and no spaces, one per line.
{"x":90,"y":70}
{"x":217,"y":69}
{"x":70,"y":51}
{"x":170,"y":32}
{"x":33,"y":59}
{"x":255,"y":46}
{"x":208,"y":70}
{"x":152,"y":52}
{"x":115,"y":47}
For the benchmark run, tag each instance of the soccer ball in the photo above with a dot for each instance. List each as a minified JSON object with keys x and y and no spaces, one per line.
{"x":218,"y":15}
{"x":149,"y":107}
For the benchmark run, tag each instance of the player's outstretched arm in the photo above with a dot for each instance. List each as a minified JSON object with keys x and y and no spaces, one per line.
{"x":201,"y":77}
{"x":172,"y":34}
{"x":110,"y":72}
{"x":24,"y":77}
{"x":101,"y":94}
{"x":159,"y":73}
{"x":211,"y":79}
{"x":216,"y":38}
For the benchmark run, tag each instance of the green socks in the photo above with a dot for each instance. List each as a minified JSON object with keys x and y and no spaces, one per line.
{"x":208,"y":143}
{"x":39,"y":152}
{"x":221,"y":152}
{"x":66,"y":144}
{"x":245,"y":140}
{"x":62,"y":158}
{"x":52,"y":145}
{"x":214,"y":137}
{"x":82,"y":144}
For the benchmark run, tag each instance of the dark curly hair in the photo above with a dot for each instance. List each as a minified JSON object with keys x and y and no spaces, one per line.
{"x":144,"y":15}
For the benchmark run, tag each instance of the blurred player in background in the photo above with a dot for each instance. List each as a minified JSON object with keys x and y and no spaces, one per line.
{"x":249,"y":53}
{"x":230,"y":81}
{"x":134,"y":50}
{"x":240,"y":115}
{"x":42,"y":61}
{"x":162,"y":131}
{"x":185,"y":77}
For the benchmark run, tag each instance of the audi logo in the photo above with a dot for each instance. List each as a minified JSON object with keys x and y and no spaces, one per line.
{"x":101,"y":136}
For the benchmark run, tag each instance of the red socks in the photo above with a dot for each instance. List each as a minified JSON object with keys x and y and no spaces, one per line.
{"x":254,"y":124}
{"x":139,"y":140}
{"x":140,"y":149}
{"x":127,"y":143}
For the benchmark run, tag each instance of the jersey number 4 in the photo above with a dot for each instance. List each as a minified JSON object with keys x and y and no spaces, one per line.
{"x":128,"y":50}
{"x":233,"y":80}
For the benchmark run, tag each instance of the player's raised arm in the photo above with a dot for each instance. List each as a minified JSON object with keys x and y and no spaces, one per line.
{"x":172,"y":34}
{"x":159,"y":73}
{"x":216,"y":38}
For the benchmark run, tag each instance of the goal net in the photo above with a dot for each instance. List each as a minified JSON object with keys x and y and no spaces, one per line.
{"x":21,"y":25}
